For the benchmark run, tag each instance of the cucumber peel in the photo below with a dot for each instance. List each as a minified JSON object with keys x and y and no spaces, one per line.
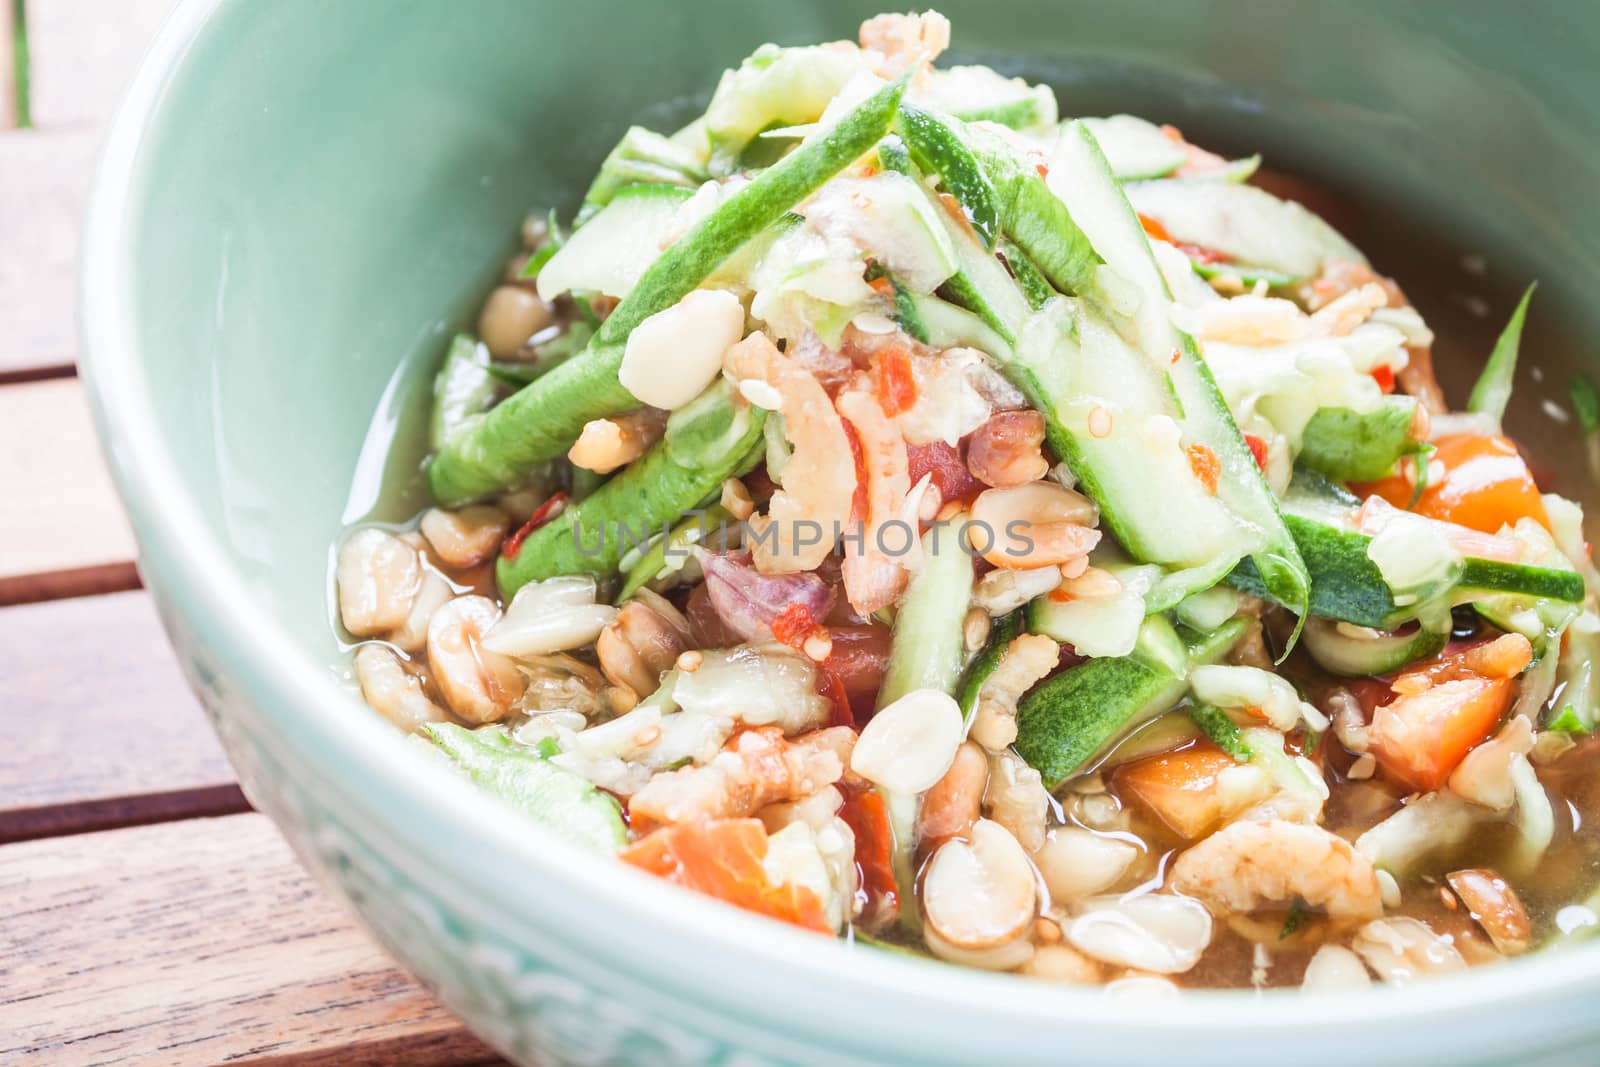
{"x":1067,"y":720}
{"x":562,"y":802}
{"x":1346,"y":585}
{"x":1001,"y":634}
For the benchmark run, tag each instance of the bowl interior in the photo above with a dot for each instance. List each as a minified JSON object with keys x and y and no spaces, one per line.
{"x":322,"y":193}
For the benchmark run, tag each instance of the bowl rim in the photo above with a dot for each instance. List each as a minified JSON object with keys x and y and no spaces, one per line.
{"x":301,"y":689}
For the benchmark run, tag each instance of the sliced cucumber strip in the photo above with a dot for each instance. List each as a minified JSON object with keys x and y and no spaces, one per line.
{"x":1098,"y":626}
{"x":1067,"y":720}
{"x":1244,"y":224}
{"x":976,"y":94}
{"x":642,"y":157}
{"x":1080,"y":176}
{"x":1492,"y":392}
{"x":1222,"y":731}
{"x":463,"y":389}
{"x":929,"y":642}
{"x":1365,"y":655}
{"x":1346,"y":584}
{"x":1136,"y":148}
{"x":775,"y":87}
{"x":612,"y":252}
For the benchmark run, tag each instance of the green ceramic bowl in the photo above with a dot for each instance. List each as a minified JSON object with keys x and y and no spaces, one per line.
{"x":302,"y":198}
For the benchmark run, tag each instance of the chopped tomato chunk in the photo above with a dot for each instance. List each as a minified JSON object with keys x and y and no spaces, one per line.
{"x":1258,"y":450}
{"x":1181,"y":788}
{"x":794,"y":625}
{"x":1385,"y":378}
{"x":722,"y":858}
{"x":1485,"y":485}
{"x":1155,"y":229}
{"x":868,"y":817}
{"x":896,"y":385}
{"x":1445,"y":708}
{"x":1203,"y":461}
{"x":950,"y":474}
{"x":1420,"y":738}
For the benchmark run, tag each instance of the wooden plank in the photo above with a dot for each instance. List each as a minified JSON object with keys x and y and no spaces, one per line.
{"x":62,"y":530}
{"x":198,"y":942}
{"x":85,"y":53}
{"x":44,"y":177}
{"x":104,"y":731}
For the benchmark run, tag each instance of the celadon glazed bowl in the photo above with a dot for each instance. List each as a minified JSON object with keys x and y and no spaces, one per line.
{"x":301,"y":199}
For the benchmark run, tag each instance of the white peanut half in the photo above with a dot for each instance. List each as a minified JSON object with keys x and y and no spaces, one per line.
{"x":980,"y":898}
{"x":674,"y":354}
{"x":909,"y":745}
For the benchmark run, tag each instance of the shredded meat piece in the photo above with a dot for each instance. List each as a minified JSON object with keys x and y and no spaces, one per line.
{"x":757,"y":768}
{"x":1027,"y":659}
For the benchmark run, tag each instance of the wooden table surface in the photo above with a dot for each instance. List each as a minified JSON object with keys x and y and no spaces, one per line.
{"x":147,"y":915}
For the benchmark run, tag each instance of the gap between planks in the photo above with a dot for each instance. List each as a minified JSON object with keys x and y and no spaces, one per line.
{"x":198,"y":942}
{"x":62,"y":529}
{"x":112,"y":738}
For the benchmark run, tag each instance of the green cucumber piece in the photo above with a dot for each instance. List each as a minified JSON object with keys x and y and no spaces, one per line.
{"x":641,"y":157}
{"x":907,"y":307}
{"x":1246,"y":274}
{"x":1136,"y":148}
{"x":542,"y":420}
{"x":937,"y":150}
{"x":1350,"y":656}
{"x":1036,"y":288}
{"x":562,"y":802}
{"x":929,"y":642}
{"x":1346,"y":584}
{"x":1360,"y":446}
{"x":1001,"y":633}
{"x":1031,"y":215}
{"x":981,"y":94}
{"x":1492,"y":392}
{"x":1098,"y":626}
{"x":893,"y":155}
{"x":1244,"y":224}
{"x":1207,"y":609}
{"x":948,"y":326}
{"x":774,"y":87}
{"x":462,"y":390}
{"x":614,"y":250}
{"x":591,"y":537}
{"x":1078,"y":172}
{"x":1222,"y":731}
{"x":653,"y":564}
{"x":1067,"y":720}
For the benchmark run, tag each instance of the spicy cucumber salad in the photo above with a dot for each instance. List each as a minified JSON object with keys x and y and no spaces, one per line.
{"x":896,"y":509}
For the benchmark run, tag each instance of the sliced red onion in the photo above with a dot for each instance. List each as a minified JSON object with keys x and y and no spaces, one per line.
{"x":748,"y":601}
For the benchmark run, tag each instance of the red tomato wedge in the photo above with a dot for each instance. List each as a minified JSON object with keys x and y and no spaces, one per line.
{"x":1485,"y":485}
{"x":1179,"y":787}
{"x":1445,"y":708}
{"x":868,"y":818}
{"x":1419,"y":739}
{"x":722,"y":858}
